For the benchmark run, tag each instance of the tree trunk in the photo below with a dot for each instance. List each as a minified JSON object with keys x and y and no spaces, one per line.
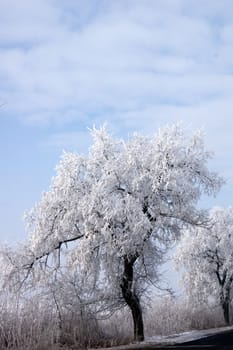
{"x":131,"y":298}
{"x":226,"y":311}
{"x":225,"y":303}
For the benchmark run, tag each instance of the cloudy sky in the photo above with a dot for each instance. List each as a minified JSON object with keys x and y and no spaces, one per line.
{"x":136,"y":64}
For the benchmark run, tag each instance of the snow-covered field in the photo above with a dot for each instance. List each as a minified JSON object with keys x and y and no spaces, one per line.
{"x":172,"y":339}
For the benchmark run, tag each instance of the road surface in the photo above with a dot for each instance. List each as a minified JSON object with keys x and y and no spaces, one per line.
{"x":223,"y":340}
{"x":220,"y":341}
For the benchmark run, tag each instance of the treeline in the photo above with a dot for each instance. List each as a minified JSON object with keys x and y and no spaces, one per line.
{"x":39,"y":323}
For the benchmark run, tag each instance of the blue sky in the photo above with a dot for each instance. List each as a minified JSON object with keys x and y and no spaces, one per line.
{"x":136,"y":64}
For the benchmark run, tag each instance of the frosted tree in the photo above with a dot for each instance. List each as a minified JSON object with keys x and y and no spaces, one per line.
{"x":114,"y":213}
{"x":207,"y":256}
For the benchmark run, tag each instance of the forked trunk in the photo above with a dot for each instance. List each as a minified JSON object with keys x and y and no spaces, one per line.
{"x":131,"y":298}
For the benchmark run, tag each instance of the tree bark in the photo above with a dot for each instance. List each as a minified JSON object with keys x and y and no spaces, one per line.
{"x":225,"y":297}
{"x":226,"y":311}
{"x":131,"y":297}
{"x":225,"y":303}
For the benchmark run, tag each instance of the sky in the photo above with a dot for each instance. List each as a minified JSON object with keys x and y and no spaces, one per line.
{"x":135,"y":64}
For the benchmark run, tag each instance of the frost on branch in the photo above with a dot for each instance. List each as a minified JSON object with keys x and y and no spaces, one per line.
{"x":207,"y":256}
{"x":123,"y":205}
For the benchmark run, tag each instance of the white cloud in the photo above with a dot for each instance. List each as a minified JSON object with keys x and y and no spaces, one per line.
{"x":99,"y":57}
{"x":28,"y":23}
{"x":137,"y":64}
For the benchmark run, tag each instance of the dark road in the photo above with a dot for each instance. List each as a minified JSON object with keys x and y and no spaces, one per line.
{"x":220,"y":341}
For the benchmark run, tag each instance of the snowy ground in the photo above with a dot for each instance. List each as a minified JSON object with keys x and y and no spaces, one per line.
{"x":172,"y":339}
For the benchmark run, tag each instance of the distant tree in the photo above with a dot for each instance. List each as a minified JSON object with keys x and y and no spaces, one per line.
{"x":207,"y":256}
{"x":121,"y":207}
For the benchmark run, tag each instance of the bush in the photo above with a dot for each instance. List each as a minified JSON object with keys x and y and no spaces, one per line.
{"x":168,"y":315}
